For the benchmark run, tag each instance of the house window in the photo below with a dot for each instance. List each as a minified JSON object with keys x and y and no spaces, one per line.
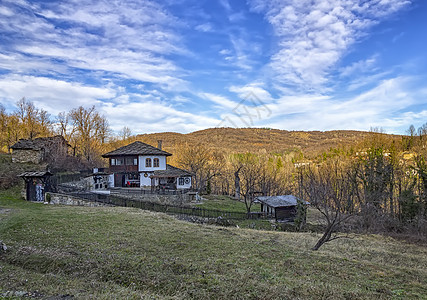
{"x":148,"y":162}
{"x":156,"y":163}
{"x":181,"y":181}
{"x":131,"y":161}
{"x":117,"y":161}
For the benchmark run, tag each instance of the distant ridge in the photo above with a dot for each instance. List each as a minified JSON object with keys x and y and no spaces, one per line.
{"x":240,"y":140}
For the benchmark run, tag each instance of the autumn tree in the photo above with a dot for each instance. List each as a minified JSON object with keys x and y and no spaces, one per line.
{"x":202,"y":162}
{"x":90,"y":132}
{"x":33,"y":122}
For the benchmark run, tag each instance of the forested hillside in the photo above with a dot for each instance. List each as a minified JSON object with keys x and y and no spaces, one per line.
{"x":242,"y":140}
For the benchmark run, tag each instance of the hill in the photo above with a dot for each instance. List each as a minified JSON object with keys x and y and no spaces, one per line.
{"x":127,"y":253}
{"x":239,"y":140}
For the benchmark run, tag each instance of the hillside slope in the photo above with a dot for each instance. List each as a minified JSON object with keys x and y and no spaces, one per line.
{"x":127,"y":253}
{"x":258,"y":139}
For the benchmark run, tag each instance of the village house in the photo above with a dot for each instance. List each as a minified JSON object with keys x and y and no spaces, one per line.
{"x":142,"y":165}
{"x":98,"y":180}
{"x":44,"y":149}
{"x":281,"y":208}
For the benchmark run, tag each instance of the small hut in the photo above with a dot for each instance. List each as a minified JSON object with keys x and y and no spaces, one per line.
{"x":282,"y":208}
{"x":37,"y":183}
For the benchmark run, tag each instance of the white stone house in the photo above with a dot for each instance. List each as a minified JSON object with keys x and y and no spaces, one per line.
{"x":142,"y":165}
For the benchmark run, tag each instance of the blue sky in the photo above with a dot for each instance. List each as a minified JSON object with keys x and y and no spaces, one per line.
{"x":186,"y":65}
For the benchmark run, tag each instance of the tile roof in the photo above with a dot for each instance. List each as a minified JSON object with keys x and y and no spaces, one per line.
{"x":35,"y":174}
{"x":171,"y":171}
{"x":279,"y":201}
{"x":38,"y":143}
{"x":137,"y":148}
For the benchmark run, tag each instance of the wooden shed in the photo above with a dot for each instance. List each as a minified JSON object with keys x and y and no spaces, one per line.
{"x":36,"y":184}
{"x":282,"y":208}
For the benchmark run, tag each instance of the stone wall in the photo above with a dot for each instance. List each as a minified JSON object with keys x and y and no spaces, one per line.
{"x":70,"y":200}
{"x":180,"y":199}
{"x":24,"y":156}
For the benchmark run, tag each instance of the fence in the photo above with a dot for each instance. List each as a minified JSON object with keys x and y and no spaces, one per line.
{"x":136,"y":191}
{"x":165,"y":208}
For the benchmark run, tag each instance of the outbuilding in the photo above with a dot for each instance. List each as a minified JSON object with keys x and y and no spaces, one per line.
{"x":37,"y":183}
{"x":282,"y":208}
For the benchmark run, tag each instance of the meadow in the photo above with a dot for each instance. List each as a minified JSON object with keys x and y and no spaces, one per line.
{"x":115,"y":252}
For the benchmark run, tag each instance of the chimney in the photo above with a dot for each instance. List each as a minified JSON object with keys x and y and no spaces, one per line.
{"x":159,"y":144}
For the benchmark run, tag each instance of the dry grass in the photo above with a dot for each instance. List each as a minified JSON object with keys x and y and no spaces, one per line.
{"x":106,"y":253}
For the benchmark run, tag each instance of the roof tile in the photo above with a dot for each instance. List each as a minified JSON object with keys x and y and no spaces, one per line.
{"x":137,"y":148}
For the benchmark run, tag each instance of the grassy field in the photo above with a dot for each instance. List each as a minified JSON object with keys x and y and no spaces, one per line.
{"x":105,"y":253}
{"x":225,"y":203}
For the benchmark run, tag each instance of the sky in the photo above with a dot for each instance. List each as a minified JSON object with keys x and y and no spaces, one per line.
{"x":187,"y":65}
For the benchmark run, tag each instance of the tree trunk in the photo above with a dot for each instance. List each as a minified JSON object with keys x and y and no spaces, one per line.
{"x":237,"y":184}
{"x":325,"y":237}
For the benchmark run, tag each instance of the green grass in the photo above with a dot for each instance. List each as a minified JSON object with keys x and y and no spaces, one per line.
{"x":226,"y":203}
{"x":126,"y":253}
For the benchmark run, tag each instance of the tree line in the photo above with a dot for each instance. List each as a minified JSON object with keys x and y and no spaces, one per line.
{"x":85,"y":129}
{"x":382,"y":181}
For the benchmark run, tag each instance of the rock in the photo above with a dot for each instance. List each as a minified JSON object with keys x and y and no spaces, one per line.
{"x":3,"y":246}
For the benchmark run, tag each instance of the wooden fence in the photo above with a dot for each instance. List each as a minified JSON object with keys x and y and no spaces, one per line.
{"x":165,"y":208}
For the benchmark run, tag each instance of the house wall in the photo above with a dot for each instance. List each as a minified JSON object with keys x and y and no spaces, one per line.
{"x":286,"y":213}
{"x":25,"y":156}
{"x":143,"y":168}
{"x":102,"y":183}
{"x":186,"y":182}
{"x":145,"y":181}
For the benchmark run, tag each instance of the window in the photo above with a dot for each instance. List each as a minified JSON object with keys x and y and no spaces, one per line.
{"x":156,"y":163}
{"x":131,"y":161}
{"x":181,"y":181}
{"x":117,"y":161}
{"x":148,"y":162}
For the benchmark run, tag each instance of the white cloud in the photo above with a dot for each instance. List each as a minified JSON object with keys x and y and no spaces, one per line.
{"x":51,"y":94}
{"x":315,"y":35}
{"x":205,"y":27}
{"x":147,"y":116}
{"x":130,"y":41}
{"x":382,"y":106}
{"x":220,"y":101}
{"x":257,"y":91}
{"x":361,"y":66}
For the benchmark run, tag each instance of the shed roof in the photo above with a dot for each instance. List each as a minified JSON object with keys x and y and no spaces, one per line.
{"x":279,"y":201}
{"x":170,"y":171}
{"x":35,"y":174}
{"x":137,"y":148}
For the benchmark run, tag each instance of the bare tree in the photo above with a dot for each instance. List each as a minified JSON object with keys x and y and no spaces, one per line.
{"x":329,"y":189}
{"x":202,"y":162}
{"x":125,"y":133}
{"x":246,"y":167}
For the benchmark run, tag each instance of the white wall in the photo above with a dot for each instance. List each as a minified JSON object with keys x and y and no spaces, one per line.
{"x":111,"y":180}
{"x":141,"y":163}
{"x":145,"y":181}
{"x":186,"y":185}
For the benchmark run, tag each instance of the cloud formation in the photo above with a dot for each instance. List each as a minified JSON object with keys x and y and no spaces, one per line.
{"x":315,"y":35}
